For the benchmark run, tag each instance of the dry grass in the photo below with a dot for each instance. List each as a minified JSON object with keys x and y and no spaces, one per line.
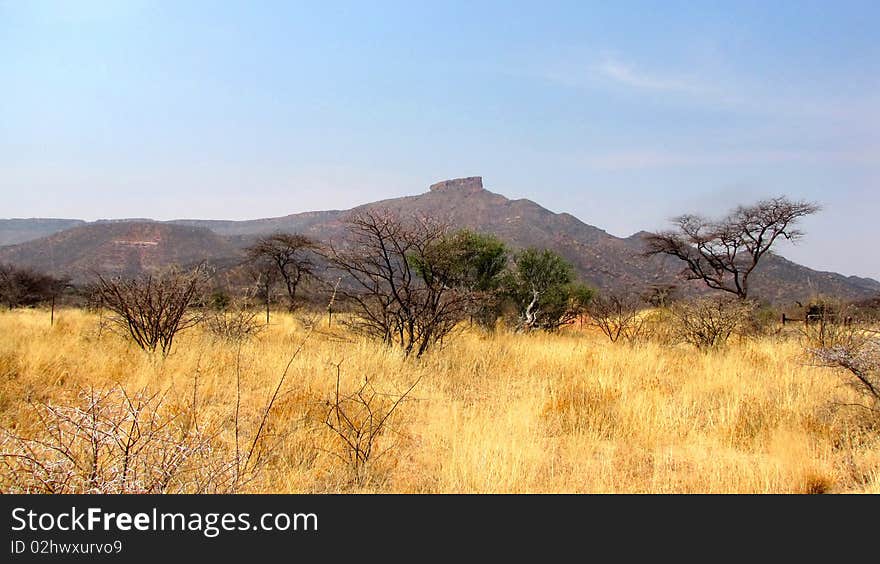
{"x":502,"y":413}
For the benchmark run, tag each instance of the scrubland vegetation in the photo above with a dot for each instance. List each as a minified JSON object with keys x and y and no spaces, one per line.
{"x":441,"y":361}
{"x":489,"y":412}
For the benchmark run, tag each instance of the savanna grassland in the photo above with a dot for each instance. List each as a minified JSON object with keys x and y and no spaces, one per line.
{"x":503,"y":412}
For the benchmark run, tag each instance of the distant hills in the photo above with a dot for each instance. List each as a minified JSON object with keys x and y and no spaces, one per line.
{"x":78,"y":249}
{"x":14,"y":231}
{"x":128,"y":247}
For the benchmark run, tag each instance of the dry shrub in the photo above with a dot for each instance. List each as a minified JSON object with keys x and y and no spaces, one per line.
{"x":116,"y":441}
{"x":153,"y":308}
{"x":235,"y":323}
{"x":618,"y":316}
{"x":764,"y":323}
{"x":831,"y":328}
{"x":659,"y":327}
{"x":400,"y":281}
{"x":364,"y":425}
{"x":815,"y":483}
{"x":857,"y":354}
{"x":708,"y":323}
{"x":112,"y":441}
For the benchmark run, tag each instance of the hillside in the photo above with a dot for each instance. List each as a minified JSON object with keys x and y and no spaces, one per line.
{"x":120,"y":248}
{"x":601,"y":259}
{"x":20,"y":230}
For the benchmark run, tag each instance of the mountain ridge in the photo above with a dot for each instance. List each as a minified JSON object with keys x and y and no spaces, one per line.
{"x":601,"y":259}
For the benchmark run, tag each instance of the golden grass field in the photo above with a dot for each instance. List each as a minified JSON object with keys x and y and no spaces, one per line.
{"x":566,"y":412}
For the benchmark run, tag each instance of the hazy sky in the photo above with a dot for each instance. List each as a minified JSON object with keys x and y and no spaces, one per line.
{"x":622,"y":114}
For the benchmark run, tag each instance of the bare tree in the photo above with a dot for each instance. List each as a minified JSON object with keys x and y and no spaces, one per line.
{"x":724,"y":253}
{"x":292,"y":257}
{"x":264,"y":277}
{"x":402,"y":290}
{"x":617,"y":315}
{"x":153,"y":309}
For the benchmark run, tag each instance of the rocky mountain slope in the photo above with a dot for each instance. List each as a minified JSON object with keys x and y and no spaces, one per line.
{"x":601,"y":259}
{"x":124,"y":248}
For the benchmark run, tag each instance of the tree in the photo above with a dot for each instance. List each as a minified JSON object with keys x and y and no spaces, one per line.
{"x":541,"y":286}
{"x":476,"y":264}
{"x":724,"y":253}
{"x":24,"y":287}
{"x":264,"y":277}
{"x":402,"y":288}
{"x":291,"y":255}
{"x":153,"y":308}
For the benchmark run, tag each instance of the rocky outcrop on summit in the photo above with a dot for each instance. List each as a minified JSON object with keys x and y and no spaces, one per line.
{"x":471,"y":184}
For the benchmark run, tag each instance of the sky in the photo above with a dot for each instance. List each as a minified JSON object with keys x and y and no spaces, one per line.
{"x":623,"y":114}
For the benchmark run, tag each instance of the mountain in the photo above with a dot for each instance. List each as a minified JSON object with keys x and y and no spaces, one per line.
{"x":601,"y":259}
{"x":124,"y":247}
{"x":16,"y":230}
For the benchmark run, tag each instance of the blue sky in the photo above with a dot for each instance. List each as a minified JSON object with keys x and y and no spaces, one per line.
{"x":622,"y":113}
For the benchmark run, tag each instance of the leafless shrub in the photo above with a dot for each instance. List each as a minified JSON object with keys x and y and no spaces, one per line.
{"x":153,"y":309}
{"x":859,"y":356}
{"x":829,"y":325}
{"x":660,"y":295}
{"x":112,"y":442}
{"x":763,"y":322}
{"x":239,"y":321}
{"x":359,"y":420}
{"x":708,"y":323}
{"x":618,"y":316}
{"x":659,"y":326}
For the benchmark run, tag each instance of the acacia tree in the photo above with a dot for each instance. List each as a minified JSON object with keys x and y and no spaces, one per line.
{"x":402,"y":288}
{"x":541,"y":286}
{"x":724,"y":253}
{"x":290,"y":255}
